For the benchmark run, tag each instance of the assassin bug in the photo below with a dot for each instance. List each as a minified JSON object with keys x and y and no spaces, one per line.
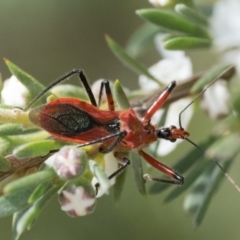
{"x":77,"y":121}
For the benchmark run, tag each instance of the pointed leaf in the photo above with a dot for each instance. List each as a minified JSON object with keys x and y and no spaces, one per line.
{"x":191,"y":14}
{"x":198,"y":200}
{"x":185,"y":43}
{"x":16,"y":217}
{"x":13,"y":129}
{"x":13,"y":202}
{"x":27,"y":218}
{"x":118,"y":186}
{"x":34,"y":87}
{"x":120,"y":96}
{"x":142,"y":39}
{"x":127,"y":60}
{"x":138,"y":172}
{"x":38,"y":192}
{"x":30,"y":181}
{"x":173,"y":23}
{"x":34,"y":149}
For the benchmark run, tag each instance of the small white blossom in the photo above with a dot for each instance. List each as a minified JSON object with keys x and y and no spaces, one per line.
{"x":160,"y":3}
{"x":215,"y":100}
{"x":225,"y":26}
{"x":226,"y":23}
{"x":14,"y":93}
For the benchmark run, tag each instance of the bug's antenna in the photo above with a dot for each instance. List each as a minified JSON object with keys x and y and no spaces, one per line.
{"x":221,"y":75}
{"x":230,"y":179}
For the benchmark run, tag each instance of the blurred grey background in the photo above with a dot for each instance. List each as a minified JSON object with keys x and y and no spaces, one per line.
{"x":49,"y":38}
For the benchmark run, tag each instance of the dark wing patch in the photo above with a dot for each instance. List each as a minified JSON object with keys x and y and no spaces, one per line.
{"x":64,"y":119}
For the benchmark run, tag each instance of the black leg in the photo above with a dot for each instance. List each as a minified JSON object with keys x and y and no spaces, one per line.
{"x":124,"y":162}
{"x":63,"y":78}
{"x":118,"y":135}
{"x":109,"y":148}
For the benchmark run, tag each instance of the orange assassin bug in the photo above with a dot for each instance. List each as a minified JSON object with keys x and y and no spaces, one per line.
{"x":85,"y":123}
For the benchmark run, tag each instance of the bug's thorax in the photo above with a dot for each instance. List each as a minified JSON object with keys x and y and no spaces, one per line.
{"x":139,"y":134}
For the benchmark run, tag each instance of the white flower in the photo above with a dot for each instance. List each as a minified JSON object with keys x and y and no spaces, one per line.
{"x":226,"y":28}
{"x":215,"y":100}
{"x":14,"y":92}
{"x":226,"y":23}
{"x":160,"y":3}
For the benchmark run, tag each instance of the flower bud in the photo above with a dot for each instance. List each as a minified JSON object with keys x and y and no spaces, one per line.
{"x":70,"y":162}
{"x":77,"y":199}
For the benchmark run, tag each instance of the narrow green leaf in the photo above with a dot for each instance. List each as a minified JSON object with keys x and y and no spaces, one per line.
{"x":34,"y":87}
{"x":13,"y":202}
{"x":118,"y":186}
{"x":30,"y":181}
{"x":222,"y":71}
{"x":38,"y":192}
{"x":191,"y":14}
{"x":198,"y":200}
{"x":28,"y":217}
{"x":142,"y":39}
{"x":138,"y":172}
{"x":13,"y":129}
{"x":120,"y":96}
{"x":186,"y":43}
{"x":34,"y":149}
{"x":100,"y":174}
{"x":127,"y":60}
{"x":16,"y":217}
{"x":173,"y":23}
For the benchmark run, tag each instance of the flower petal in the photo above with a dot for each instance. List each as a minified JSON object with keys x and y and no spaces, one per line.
{"x":215,"y":100}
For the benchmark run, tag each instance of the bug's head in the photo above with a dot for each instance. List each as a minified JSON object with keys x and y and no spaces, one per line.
{"x":171,"y":133}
